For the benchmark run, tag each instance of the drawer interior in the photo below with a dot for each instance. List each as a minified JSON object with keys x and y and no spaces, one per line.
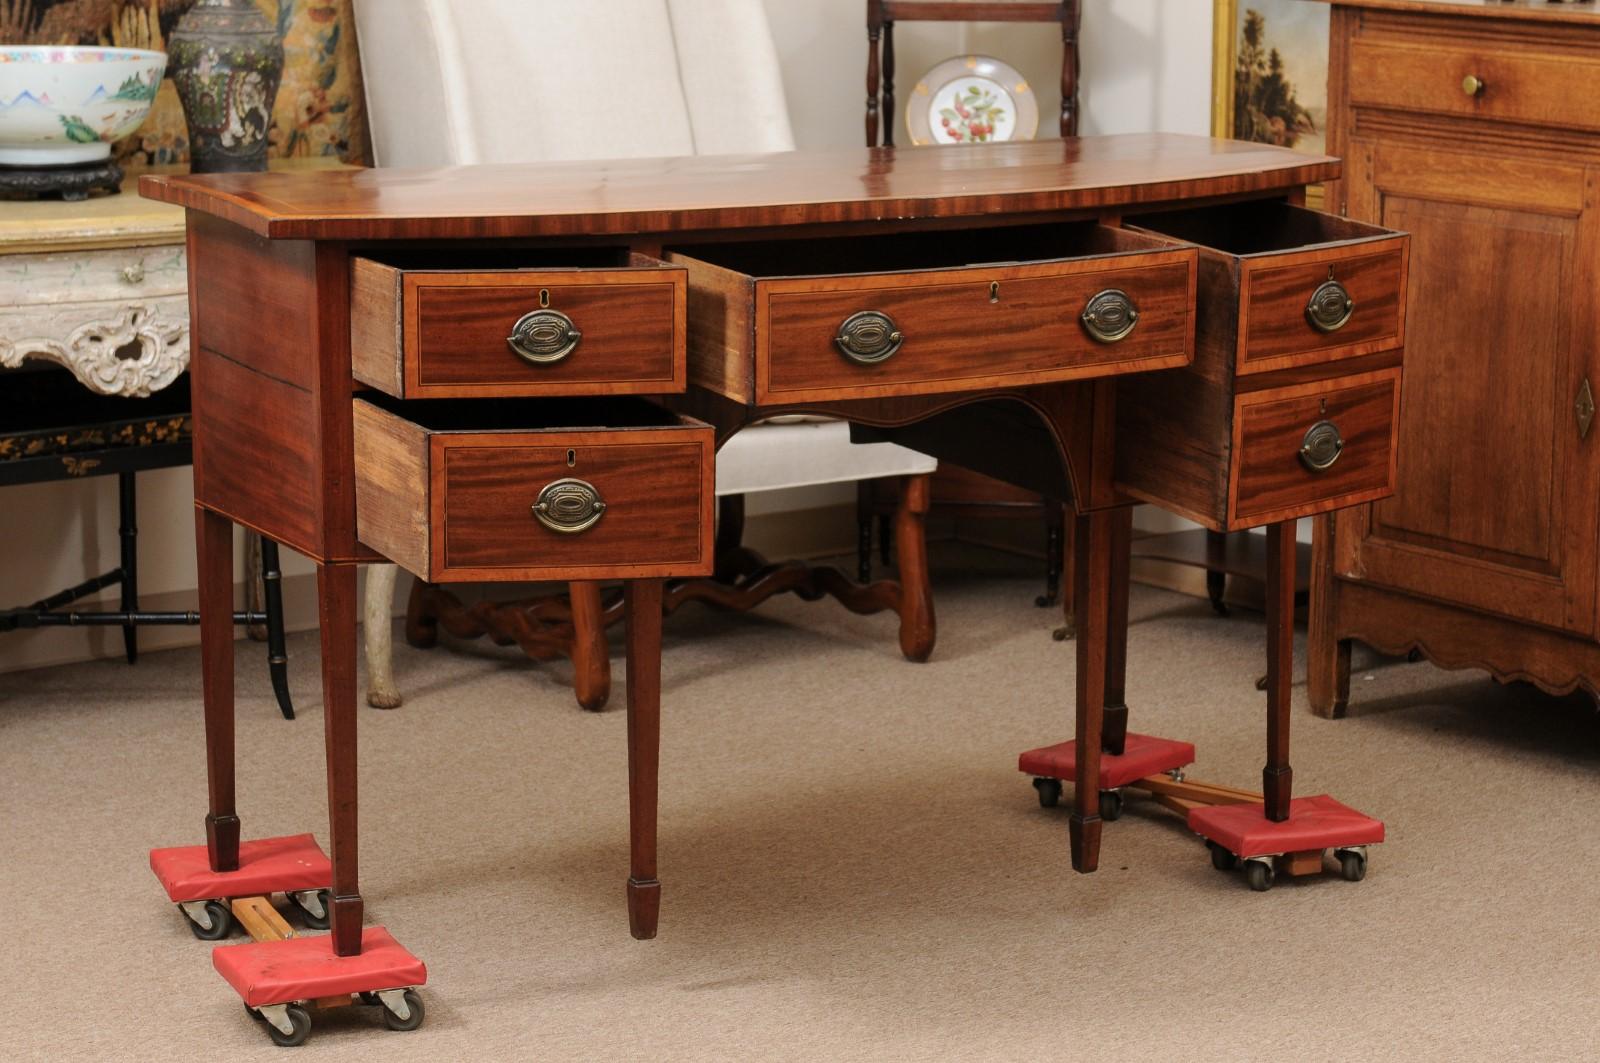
{"x":521,"y":415}
{"x":917,"y":251}
{"x":1256,"y":227}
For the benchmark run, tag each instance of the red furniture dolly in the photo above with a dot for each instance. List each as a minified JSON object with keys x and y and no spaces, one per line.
{"x":279,"y":975}
{"x":1267,"y":834}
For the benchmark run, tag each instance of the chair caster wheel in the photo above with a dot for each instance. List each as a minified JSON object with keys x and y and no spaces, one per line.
{"x":1259,"y":874}
{"x":1221,"y":859}
{"x":299,"y":1020}
{"x":1352,"y":865}
{"x":414,"y":1013}
{"x":221,"y":922}
{"x":1049,"y":792}
{"x":311,"y":919}
{"x":1110,"y":805}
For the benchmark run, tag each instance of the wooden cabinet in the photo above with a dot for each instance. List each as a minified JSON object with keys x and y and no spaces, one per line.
{"x":1454,"y":128}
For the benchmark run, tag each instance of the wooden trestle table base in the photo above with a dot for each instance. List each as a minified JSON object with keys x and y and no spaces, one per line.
{"x":449,"y":369}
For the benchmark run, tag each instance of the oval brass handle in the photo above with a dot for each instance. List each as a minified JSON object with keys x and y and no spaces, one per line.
{"x":1473,"y":85}
{"x":1109,"y":316}
{"x":869,"y":337}
{"x":1321,"y":446}
{"x":544,"y":337}
{"x":1330,"y":307}
{"x":569,"y":506}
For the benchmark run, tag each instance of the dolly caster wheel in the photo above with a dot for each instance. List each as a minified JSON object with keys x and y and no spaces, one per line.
{"x":299,"y":1021}
{"x":1352,"y":865}
{"x":412,"y":1005}
{"x":1259,"y":874}
{"x":1221,"y":859}
{"x":1110,"y":805}
{"x":308,"y":912}
{"x":217,"y":913}
{"x":1049,"y":792}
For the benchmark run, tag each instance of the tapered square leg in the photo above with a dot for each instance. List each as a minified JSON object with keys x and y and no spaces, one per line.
{"x":918,"y":628}
{"x":1114,"y":738}
{"x":214,"y":558}
{"x":591,"y":658}
{"x":643,"y":605}
{"x":1277,"y":778}
{"x":336,"y":604}
{"x":1092,"y":538}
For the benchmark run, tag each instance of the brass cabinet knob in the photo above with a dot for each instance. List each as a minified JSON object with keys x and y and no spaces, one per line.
{"x":1473,"y":85}
{"x":569,"y":506}
{"x":1109,"y":316}
{"x":869,"y":337}
{"x":1321,"y":446}
{"x":1330,"y":307}
{"x":544,"y":337}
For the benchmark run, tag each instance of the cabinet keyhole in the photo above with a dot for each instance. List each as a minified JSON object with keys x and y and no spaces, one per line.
{"x":544,"y":298}
{"x":572,"y":458}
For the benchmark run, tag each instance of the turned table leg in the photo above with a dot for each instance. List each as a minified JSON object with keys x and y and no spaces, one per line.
{"x":917,"y":626}
{"x":336,"y":602}
{"x":643,"y":605}
{"x":1114,"y":737}
{"x":1277,"y":778}
{"x":591,"y":658}
{"x":377,"y":633}
{"x":1327,"y":655}
{"x":1092,"y":537}
{"x":214,"y":551}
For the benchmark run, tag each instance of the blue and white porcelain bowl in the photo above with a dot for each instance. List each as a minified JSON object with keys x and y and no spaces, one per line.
{"x":64,"y":106}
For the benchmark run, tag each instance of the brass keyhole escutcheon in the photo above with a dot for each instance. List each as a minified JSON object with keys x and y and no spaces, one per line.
{"x":544,"y":298}
{"x":569,"y":506}
{"x":1330,"y":306}
{"x":544,"y":337}
{"x":572,"y":458}
{"x":868,"y":337}
{"x":1321,"y":446}
{"x":994,"y":291}
{"x":1109,"y":316}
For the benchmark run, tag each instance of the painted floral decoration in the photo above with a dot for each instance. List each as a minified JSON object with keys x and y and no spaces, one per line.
{"x":972,"y":115}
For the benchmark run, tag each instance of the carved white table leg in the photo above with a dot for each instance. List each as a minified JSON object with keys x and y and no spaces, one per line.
{"x":378,"y":630}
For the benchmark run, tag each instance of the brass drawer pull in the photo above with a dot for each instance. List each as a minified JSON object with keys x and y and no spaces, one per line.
{"x":569,"y":506}
{"x":1321,"y":446}
{"x":869,"y":337}
{"x":1330,"y":307}
{"x":1109,"y":316}
{"x":544,"y":337}
{"x":1473,"y":85}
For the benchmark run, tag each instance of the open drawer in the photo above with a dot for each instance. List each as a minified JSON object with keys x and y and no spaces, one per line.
{"x":442,"y":324}
{"x":821,"y":319}
{"x":1290,"y":407}
{"x":1284,"y":286}
{"x":527,"y":489}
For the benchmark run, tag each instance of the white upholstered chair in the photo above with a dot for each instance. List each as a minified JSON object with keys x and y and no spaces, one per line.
{"x":492,"y":81}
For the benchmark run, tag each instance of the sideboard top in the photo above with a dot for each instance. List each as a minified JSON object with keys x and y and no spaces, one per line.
{"x":741,"y":191}
{"x":1532,"y":10}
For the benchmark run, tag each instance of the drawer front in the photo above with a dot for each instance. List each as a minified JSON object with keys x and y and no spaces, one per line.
{"x":1305,"y":307}
{"x":1314,"y":447}
{"x":959,"y":329}
{"x":420,"y":334}
{"x":1506,"y":85}
{"x":654,"y":496}
{"x":538,"y":504}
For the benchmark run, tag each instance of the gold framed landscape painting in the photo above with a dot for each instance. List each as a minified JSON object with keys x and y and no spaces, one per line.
{"x":1269,"y":73}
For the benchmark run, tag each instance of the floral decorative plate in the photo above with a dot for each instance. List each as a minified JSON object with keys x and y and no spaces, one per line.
{"x":972,"y":99}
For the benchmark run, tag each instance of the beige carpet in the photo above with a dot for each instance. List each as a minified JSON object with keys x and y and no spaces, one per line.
{"x":853,"y":868}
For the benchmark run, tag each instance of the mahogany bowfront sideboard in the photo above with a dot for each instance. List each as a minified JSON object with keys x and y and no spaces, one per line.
{"x":523,"y":372}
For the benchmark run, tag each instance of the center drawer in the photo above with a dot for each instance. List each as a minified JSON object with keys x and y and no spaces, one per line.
{"x":921,"y":313}
{"x":576,"y":489}
{"x":598,"y":321}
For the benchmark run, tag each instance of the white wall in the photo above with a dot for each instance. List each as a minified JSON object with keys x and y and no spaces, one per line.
{"x":1146,"y":66}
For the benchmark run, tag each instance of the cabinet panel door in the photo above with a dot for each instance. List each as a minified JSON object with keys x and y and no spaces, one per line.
{"x":1496,"y":497}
